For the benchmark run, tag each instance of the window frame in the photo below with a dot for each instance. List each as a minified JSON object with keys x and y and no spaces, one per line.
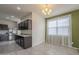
{"x":57,"y":19}
{"x":70,"y":19}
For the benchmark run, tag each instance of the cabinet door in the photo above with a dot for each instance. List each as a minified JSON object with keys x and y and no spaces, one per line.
{"x":27,"y":42}
{"x":20,"y":26}
{"x":22,"y":42}
{"x":30,"y":24}
{"x":26,"y":24}
{"x":1,"y":27}
{"x":5,"y":27}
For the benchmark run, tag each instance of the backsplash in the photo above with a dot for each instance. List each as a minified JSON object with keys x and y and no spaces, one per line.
{"x":26,"y":31}
{"x":3,"y":31}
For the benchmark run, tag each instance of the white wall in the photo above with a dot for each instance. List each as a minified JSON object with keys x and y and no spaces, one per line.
{"x":38,"y":29}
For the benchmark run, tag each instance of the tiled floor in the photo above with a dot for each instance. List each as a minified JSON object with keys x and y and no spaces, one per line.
{"x":8,"y":47}
{"x":42,"y":49}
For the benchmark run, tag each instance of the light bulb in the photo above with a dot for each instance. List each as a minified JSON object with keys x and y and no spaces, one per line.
{"x":44,"y":12}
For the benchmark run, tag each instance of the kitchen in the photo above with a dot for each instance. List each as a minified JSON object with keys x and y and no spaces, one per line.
{"x":24,"y":38}
{"x":19,"y":32}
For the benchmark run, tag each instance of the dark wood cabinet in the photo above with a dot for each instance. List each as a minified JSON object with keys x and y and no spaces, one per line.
{"x":24,"y":42}
{"x":3,"y":27}
{"x":25,"y":25}
{"x":4,"y":36}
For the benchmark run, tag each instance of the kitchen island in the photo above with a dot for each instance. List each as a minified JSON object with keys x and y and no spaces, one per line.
{"x":25,"y":41}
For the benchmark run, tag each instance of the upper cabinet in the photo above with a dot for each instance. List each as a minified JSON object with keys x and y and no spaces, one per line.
{"x":25,"y":25}
{"x":3,"y":27}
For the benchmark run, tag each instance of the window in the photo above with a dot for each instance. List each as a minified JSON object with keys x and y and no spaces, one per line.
{"x":52,"y":27}
{"x":58,"y":26}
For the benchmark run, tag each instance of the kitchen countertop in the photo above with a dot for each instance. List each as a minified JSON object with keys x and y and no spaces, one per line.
{"x":24,"y":35}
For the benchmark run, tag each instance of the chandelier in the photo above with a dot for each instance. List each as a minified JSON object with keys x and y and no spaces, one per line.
{"x":46,"y":9}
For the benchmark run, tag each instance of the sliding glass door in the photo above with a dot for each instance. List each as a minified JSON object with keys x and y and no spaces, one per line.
{"x":59,"y":31}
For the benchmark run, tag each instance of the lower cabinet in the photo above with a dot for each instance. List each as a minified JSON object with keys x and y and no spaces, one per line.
{"x":24,"y":42}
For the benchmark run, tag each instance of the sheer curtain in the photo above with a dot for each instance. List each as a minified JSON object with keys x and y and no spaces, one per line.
{"x":59,"y":31}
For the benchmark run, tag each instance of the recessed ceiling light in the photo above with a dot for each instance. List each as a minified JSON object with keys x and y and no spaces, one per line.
{"x":7,"y":17}
{"x":12,"y":16}
{"x":18,"y":8}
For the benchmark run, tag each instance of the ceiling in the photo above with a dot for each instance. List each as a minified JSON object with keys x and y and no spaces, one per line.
{"x":7,"y":10}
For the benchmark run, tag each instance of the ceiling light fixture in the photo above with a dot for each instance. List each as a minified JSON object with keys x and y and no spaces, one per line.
{"x":7,"y":17}
{"x":18,"y":8}
{"x":12,"y":16}
{"x":46,"y":9}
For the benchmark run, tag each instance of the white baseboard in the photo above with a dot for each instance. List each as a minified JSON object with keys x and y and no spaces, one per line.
{"x":37,"y":44}
{"x":75,"y":48}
